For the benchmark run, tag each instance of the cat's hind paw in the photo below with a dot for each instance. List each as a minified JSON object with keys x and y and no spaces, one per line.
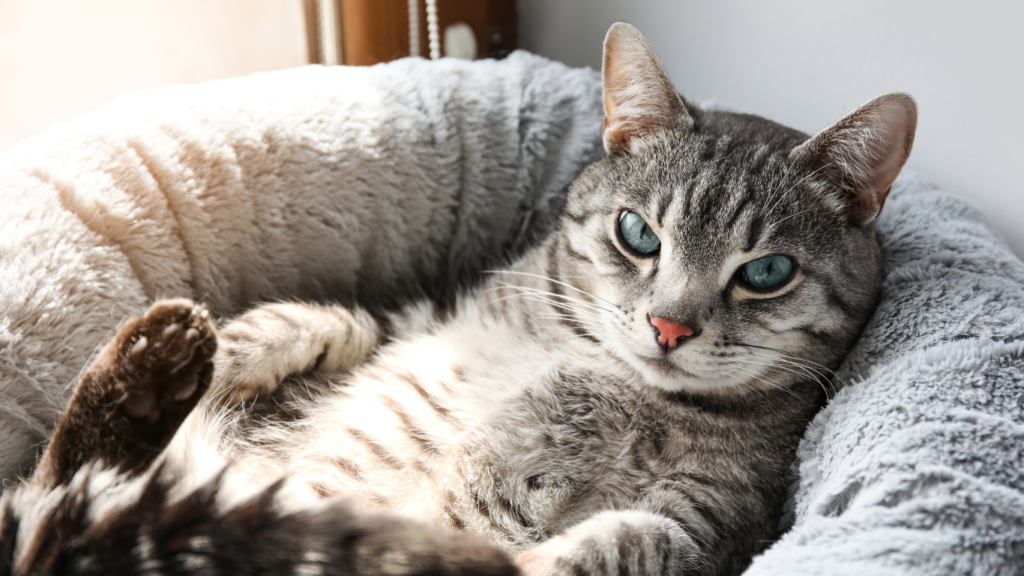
{"x":170,"y":351}
{"x":131,"y":400}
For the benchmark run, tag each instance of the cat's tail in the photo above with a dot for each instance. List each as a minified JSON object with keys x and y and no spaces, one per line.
{"x":102,"y":522}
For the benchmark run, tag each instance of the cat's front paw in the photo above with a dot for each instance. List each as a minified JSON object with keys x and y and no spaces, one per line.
{"x":613,"y":544}
{"x":551,"y":558}
{"x":262,"y":347}
{"x":258,"y":350}
{"x":561,"y":555}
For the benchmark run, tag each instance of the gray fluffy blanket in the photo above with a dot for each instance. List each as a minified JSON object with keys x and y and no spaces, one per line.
{"x":387,"y":182}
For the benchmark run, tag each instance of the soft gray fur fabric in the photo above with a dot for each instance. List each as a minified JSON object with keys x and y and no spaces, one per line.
{"x":326,"y":183}
{"x":917,"y":465}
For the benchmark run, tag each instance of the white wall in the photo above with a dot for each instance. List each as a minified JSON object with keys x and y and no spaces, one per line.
{"x":59,"y":59}
{"x":804,"y":63}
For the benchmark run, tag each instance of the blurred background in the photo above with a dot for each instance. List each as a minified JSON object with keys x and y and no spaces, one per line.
{"x":801,"y":62}
{"x":59,"y":59}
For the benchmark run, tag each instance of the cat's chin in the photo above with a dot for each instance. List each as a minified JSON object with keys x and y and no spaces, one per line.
{"x":665,"y":374}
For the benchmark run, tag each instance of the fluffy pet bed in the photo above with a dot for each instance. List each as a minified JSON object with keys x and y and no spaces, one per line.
{"x":380,"y":184}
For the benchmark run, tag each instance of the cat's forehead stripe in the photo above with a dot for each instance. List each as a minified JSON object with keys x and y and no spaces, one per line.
{"x":666,"y":199}
{"x":740,"y":206}
{"x":754,"y":234}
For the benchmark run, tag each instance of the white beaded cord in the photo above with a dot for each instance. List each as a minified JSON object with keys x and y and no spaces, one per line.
{"x":433,"y":36}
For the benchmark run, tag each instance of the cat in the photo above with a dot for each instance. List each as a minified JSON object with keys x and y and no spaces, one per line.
{"x":626,"y":397}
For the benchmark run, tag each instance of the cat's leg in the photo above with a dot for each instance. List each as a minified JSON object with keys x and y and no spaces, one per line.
{"x":260,"y":348}
{"x":616,"y":543}
{"x":135,"y":395}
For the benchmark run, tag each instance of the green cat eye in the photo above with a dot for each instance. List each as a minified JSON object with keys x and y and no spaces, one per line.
{"x":637,"y":234}
{"x":768,"y":272}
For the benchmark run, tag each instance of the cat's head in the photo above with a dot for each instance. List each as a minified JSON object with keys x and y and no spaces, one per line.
{"x":738,"y":252}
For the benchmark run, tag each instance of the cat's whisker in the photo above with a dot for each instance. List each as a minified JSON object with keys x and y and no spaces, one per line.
{"x":571,"y":318}
{"x":808,"y":371}
{"x":750,"y":374}
{"x":556,"y":295}
{"x":569,"y":312}
{"x":554,"y":304}
{"x":785,"y":354}
{"x":788,"y":190}
{"x":527,"y":289}
{"x":775,"y":224}
{"x":820,"y":372}
{"x":588,"y":321}
{"x":529,"y":297}
{"x":771,"y":363}
{"x":594,"y":324}
{"x":799,"y":182}
{"x":764,"y":379}
{"x":798,"y":358}
{"x":556,"y":282}
{"x":522,"y":290}
{"x":748,"y":367}
{"x":590,"y":335}
{"x":785,"y":176}
{"x":591,"y":321}
{"x":582,"y":321}
{"x":565,"y":310}
{"x":761,"y":377}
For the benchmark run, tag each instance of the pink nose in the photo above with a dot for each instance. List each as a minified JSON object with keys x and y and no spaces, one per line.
{"x":669,"y":332}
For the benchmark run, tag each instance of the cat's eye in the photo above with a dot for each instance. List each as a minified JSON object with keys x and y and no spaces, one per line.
{"x":768,"y":272}
{"x":637,"y":234}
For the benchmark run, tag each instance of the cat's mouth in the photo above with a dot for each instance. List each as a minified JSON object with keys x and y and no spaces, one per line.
{"x":666,"y":367}
{"x":662,"y":373}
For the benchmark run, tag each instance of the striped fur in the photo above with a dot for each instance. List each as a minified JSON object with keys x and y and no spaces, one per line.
{"x":100,"y":524}
{"x":538,"y":411}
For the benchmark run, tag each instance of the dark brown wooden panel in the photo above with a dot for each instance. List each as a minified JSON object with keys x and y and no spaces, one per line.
{"x":377,"y":30}
{"x":374,"y":31}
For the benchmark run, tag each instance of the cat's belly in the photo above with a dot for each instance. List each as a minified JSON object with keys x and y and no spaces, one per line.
{"x":500,"y":436}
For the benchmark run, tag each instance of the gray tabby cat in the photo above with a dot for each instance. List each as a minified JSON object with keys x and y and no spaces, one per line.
{"x":626,"y":398}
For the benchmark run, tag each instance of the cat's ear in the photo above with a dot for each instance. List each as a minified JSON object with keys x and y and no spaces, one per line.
{"x":638,"y":96}
{"x":864,"y":151}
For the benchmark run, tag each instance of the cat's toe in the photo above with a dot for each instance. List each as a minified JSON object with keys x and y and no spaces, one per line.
{"x":185,"y":389}
{"x":138,"y":404}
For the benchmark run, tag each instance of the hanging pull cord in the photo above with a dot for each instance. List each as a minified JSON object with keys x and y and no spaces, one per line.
{"x":433,"y":36}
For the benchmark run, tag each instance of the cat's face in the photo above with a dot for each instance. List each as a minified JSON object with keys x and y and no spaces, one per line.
{"x":725,"y":252}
